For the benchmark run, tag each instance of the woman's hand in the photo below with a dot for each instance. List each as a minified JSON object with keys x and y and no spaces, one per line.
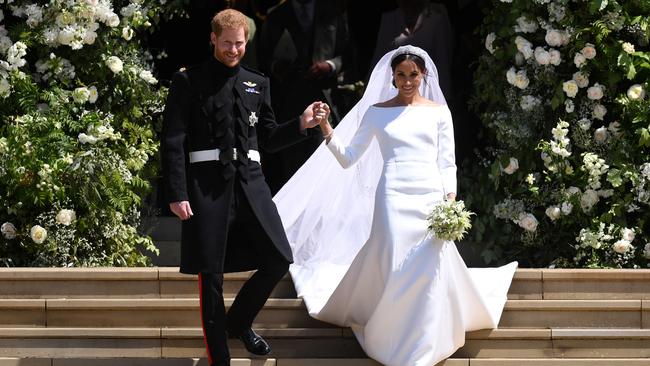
{"x":321,"y":114}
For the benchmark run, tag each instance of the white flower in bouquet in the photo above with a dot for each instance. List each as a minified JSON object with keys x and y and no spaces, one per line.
{"x":615,"y":129}
{"x":5,"y":88}
{"x":556,"y":57}
{"x":622,"y":246}
{"x":584,"y":124}
{"x":581,"y":78}
{"x":646,"y":251}
{"x":628,"y":47}
{"x":15,"y":55}
{"x":636,"y":92}
{"x":627,"y":234}
{"x":553,"y":213}
{"x":588,"y":51}
{"x":556,"y":38}
{"x":511,"y":75}
{"x":570,"y":88}
{"x":512,"y":167}
{"x":489,"y":40}
{"x":81,"y":95}
{"x":542,"y":56}
{"x":449,"y":220}
{"x":524,"y":25}
{"x":595,"y":92}
{"x":90,"y":37}
{"x":127,"y":33}
{"x":66,"y":35}
{"x":579,"y":60}
{"x":601,"y":134}
{"x":8,"y":230}
{"x":605,"y":193}
{"x":38,"y":234}
{"x":92,"y":94}
{"x":528,"y":222}
{"x":115,"y":64}
{"x":147,"y":76}
{"x":528,"y":102}
{"x":521,"y":80}
{"x":599,"y":112}
{"x":588,"y":199}
{"x":569,"y":106}
{"x":524,"y":46}
{"x":66,"y":217}
{"x":557,"y":11}
{"x":566,"y":207}
{"x":87,"y":139}
{"x":113,"y":20}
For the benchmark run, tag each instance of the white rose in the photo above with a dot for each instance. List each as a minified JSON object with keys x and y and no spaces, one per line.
{"x":521,"y":80}
{"x":489,"y":40}
{"x":90,"y":37}
{"x":80,"y":95}
{"x":569,"y":106}
{"x":92,"y":94}
{"x":599,"y":112}
{"x":553,"y":213}
{"x":556,"y":57}
{"x":588,"y":51}
{"x":528,"y":222}
{"x":570,"y":88}
{"x":601,"y":135}
{"x":148,"y":77}
{"x":584,"y":124}
{"x":524,"y":46}
{"x":554,"y":38}
{"x":588,"y":199}
{"x":127,"y":33}
{"x":581,"y":78}
{"x":595,"y":92}
{"x":38,"y":234}
{"x":115,"y":64}
{"x":8,"y":230}
{"x":542,"y":56}
{"x":66,"y":35}
{"x":636,"y":92}
{"x":512,"y":167}
{"x":66,"y":217}
{"x":622,"y":246}
{"x":627,"y":234}
{"x":579,"y":60}
{"x":511,"y":75}
{"x":567,"y":207}
{"x":628,"y":47}
{"x":113,"y":20}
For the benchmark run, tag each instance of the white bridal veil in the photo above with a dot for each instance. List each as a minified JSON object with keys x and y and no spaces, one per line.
{"x":327,"y":210}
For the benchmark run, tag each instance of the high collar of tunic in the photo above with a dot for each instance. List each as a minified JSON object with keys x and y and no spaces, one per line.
{"x":220,"y":70}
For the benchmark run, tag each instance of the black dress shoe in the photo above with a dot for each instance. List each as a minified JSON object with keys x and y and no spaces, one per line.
{"x":254,"y":343}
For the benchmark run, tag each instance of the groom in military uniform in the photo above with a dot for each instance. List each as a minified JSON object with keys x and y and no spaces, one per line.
{"x":217,"y":114}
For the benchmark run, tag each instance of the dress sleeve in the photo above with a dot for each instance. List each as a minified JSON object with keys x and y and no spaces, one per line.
{"x":446,"y":152}
{"x":348,"y":155}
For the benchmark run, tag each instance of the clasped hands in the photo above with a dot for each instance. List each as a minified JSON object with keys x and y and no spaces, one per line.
{"x":317,"y":113}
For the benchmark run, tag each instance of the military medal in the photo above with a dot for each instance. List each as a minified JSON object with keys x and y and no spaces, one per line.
{"x":250,"y":87}
{"x":252,"y":119}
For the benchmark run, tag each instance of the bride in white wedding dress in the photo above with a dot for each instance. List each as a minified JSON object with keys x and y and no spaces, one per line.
{"x":357,"y":223}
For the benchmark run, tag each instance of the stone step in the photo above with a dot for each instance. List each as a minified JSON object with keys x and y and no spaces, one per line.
{"x":157,"y":282}
{"x":291,"y":313}
{"x":186,"y":343}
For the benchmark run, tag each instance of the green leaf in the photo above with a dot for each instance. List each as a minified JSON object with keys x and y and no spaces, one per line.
{"x":631,"y":72}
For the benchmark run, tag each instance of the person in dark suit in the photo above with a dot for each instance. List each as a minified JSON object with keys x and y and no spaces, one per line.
{"x":304,"y":48}
{"x":217,"y":114}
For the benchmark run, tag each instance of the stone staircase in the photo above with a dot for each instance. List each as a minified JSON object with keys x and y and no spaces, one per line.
{"x":150,"y":316}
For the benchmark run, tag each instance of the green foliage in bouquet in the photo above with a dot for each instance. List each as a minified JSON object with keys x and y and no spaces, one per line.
{"x":78,"y":107}
{"x":449,"y":220}
{"x":562,"y":91}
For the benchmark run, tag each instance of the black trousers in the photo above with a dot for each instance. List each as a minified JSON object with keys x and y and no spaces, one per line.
{"x":244,"y":229}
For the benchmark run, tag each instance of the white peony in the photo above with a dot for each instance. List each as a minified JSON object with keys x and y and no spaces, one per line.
{"x":524,"y":46}
{"x":581,"y":78}
{"x":601,"y":135}
{"x":628,"y":47}
{"x":511,"y":75}
{"x":595,"y":92}
{"x":579,"y":60}
{"x":92,"y":94}
{"x":627,"y":234}
{"x":8,"y":230}
{"x":113,"y":20}
{"x":512,"y":167}
{"x":489,"y":40}
{"x":66,"y":35}
{"x":556,"y":57}
{"x":553,"y":213}
{"x":115,"y":64}
{"x":528,"y":222}
{"x":90,"y":37}
{"x":599,"y":112}
{"x":66,"y":217}
{"x":636,"y":92}
{"x":588,"y":51}
{"x":622,"y":246}
{"x":38,"y":234}
{"x":570,"y":88}
{"x":555,"y":38}
{"x":148,"y":77}
{"x":521,"y":80}
{"x":588,"y":199}
{"x":542,"y":56}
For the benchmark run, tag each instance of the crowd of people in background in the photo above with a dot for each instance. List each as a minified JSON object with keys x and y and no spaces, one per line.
{"x":325,"y":50}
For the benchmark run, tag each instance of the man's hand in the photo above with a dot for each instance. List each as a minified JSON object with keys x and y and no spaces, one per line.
{"x":312,"y":116}
{"x":181,"y":209}
{"x":319,"y":70}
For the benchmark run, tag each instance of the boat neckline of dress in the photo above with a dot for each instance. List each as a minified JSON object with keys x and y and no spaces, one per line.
{"x":410,"y":105}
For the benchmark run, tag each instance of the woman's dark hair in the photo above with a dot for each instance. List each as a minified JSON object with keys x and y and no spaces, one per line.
{"x":419,"y":61}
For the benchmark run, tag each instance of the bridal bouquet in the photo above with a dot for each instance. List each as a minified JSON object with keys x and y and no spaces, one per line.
{"x":449,"y":220}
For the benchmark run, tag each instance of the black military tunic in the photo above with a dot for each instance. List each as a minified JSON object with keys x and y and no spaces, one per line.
{"x":213,"y":106}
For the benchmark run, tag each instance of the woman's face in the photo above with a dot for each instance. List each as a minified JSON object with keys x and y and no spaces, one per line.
{"x":408,"y":78}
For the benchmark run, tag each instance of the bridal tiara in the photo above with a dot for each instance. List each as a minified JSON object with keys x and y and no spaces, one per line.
{"x":411,"y":50}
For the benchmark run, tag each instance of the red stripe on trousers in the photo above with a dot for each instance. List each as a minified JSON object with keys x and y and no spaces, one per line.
{"x":205,"y":337}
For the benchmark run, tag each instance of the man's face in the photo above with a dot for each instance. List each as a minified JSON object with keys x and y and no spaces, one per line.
{"x":229,"y":46}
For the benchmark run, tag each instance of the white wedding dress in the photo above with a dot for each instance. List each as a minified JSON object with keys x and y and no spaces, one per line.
{"x":408,"y":297}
